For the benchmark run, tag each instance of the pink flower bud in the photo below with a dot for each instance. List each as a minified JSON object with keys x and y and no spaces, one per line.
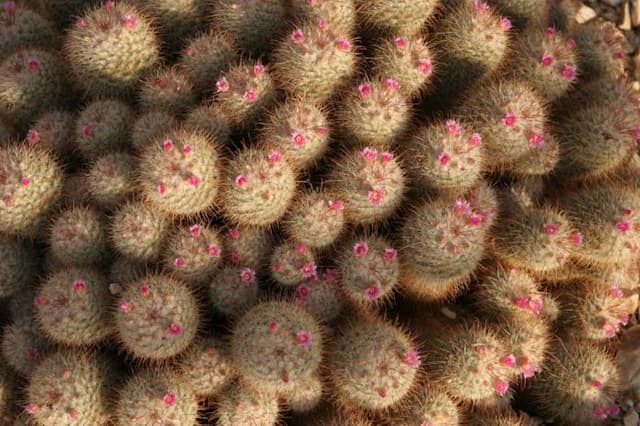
{"x":175,"y":329}
{"x":214,"y":250}
{"x":168,"y":145}
{"x":501,"y":387}
{"x":241,"y":180}
{"x":360,"y":248}
{"x":79,"y":285}
{"x":615,"y":291}
{"x":303,"y":291}
{"x":195,"y":230}
{"x":125,"y":306}
{"x":550,"y":31}
{"x":87,"y":131}
{"x":222,"y":84}
{"x":304,"y":338}
{"x":623,"y":226}
{"x":336,"y":205}
{"x":250,"y":96}
{"x":25,"y":181}
{"x":536,"y":140}
{"x":309,"y":270}
{"x":401,"y":42}
{"x":412,"y":359}
{"x":275,"y":157}
{"x":129,"y":21}
{"x":301,"y":248}
{"x":33,"y":137}
{"x":551,"y":229}
{"x":571,"y":43}
{"x":509,"y":119}
{"x":145,"y":290}
{"x":505,"y":24}
{"x":392,"y":84}
{"x":277,"y":267}
{"x":390,"y":254}
{"x":179,"y":262}
{"x":425,"y":66}
{"x":298,"y":139}
{"x":162,"y":189}
{"x":344,"y":44}
{"x":297,"y":36}
{"x":577,"y":238}
{"x":461,"y":207}
{"x":372,"y":292}
{"x":258,"y":69}
{"x":369,"y":154}
{"x":194,"y":181}
{"x":170,"y":399}
{"x":453,"y":126}
{"x":364,"y":89}
{"x":509,"y":361}
{"x":547,"y":60}
{"x":323,"y":24}
{"x":33,"y":64}
{"x":476,"y":139}
{"x":248,"y":275}
{"x":375,"y":196}
{"x":187,"y":149}
{"x":387,"y":157}
{"x":444,"y":158}
{"x":569,"y":72}
{"x":234,"y":233}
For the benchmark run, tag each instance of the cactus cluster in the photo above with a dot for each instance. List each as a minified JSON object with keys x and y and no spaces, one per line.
{"x":314,"y":212}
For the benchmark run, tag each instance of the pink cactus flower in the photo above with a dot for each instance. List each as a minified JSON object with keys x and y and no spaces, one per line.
{"x":309,"y":270}
{"x":79,"y":285}
{"x":9,"y":6}
{"x":529,"y":369}
{"x":509,"y":120}
{"x":336,"y":205}
{"x":522,"y":302}
{"x":234,"y":233}
{"x":241,"y":180}
{"x":214,"y":251}
{"x":145,"y":290}
{"x":610,"y":329}
{"x":536,"y":140}
{"x":33,"y":64}
{"x":615,"y":291}
{"x":390,"y":254}
{"x":509,"y":361}
{"x":372,"y":292}
{"x":453,"y":126}
{"x":170,"y":399}
{"x":387,"y":157}
{"x":392,"y":84}
{"x":535,"y":305}
{"x":248,"y":275}
{"x":162,"y":189}
{"x":33,"y":137}
{"x":179,"y":262}
{"x":25,"y":181}
{"x":31,"y":408}
{"x":412,"y":359}
{"x":360,"y":248}
{"x":505,"y":24}
{"x":550,"y":31}
{"x":569,"y":72}
{"x":444,"y":158}
{"x":547,"y":60}
{"x":304,"y":338}
{"x":297,"y":36}
{"x":125,"y":306}
{"x":480,"y":6}
{"x":129,"y":21}
{"x":187,"y":149}
{"x":195,"y":230}
{"x":168,"y":145}
{"x":623,"y":226}
{"x":87,"y":132}
{"x":298,"y":139}
{"x":476,"y":139}
{"x":365,"y":89}
{"x":502,"y":387}
{"x":577,"y":238}
{"x":222,"y":84}
{"x":600,"y":413}
{"x":303,"y":291}
{"x":323,"y":24}
{"x":275,"y":156}
{"x":258,"y":69}
{"x":571,"y":43}
{"x":551,"y":229}
{"x":273,"y":326}
{"x":194,"y":181}
{"x":175,"y":329}
{"x":376,"y":196}
{"x":277,"y":267}
{"x":331,"y":275}
{"x":476,"y":219}
{"x":425,"y":66}
{"x":344,"y":44}
{"x":369,"y":154}
{"x":250,"y":96}
{"x":461,"y":207}
{"x":401,"y":42}
{"x":301,"y":248}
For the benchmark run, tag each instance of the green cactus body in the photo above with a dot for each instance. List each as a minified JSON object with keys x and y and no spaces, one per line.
{"x":32,"y":82}
{"x":31,"y":184}
{"x":241,"y":404}
{"x":206,"y":367}
{"x":102,"y":127}
{"x":446,"y":156}
{"x":374,"y":365}
{"x":212,"y":120}
{"x":138,"y":232}
{"x":111,"y":179}
{"x":339,"y":14}
{"x":156,"y":396}
{"x":205,"y":57}
{"x":292,"y":263}
{"x":233,"y":290}
{"x":70,"y":388}
{"x":53,"y":131}
{"x":111,"y":48}
{"x":369,"y":270}
{"x":276,"y":346}
{"x":371,"y":184}
{"x":315,"y":219}
{"x":600,"y":50}
{"x":23,"y":27}
{"x":314,"y":61}
{"x":78,"y":236}
{"x":321,"y":297}
{"x":247,"y":246}
{"x":18,"y":267}
{"x":397,"y":16}
{"x":304,"y":397}
{"x":157,"y":317}
{"x":300,"y":131}
{"x":180,"y":172}
{"x":258,"y":187}
{"x":429,"y":405}
{"x":193,"y":253}
{"x":167,"y":89}
{"x":409,"y":60}
{"x":23,"y":345}
{"x":73,"y":306}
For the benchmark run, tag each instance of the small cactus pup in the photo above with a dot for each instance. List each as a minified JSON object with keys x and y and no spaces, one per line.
{"x":18,"y":268}
{"x":22,"y":27}
{"x":403,"y":16}
{"x":546,"y":59}
{"x":206,"y":367}
{"x":429,"y":405}
{"x":53,"y":131}
{"x":314,"y":61}
{"x":368,"y":268}
{"x":23,"y":344}
{"x":205,"y":57}
{"x":111,"y":179}
{"x":315,"y":219}
{"x":111,"y":48}
{"x":149,"y":126}
{"x":299,"y":130}
{"x":340,"y":14}
{"x":600,"y":47}
{"x":252,"y":24}
{"x":371,"y":184}
{"x":375,"y":112}
{"x":179,"y":172}
{"x":276,"y":346}
{"x":139,"y":232}
{"x":78,"y":236}
{"x":30,"y":183}
{"x":32,"y":82}
{"x":607,"y":219}
{"x":292,"y":263}
{"x":233,"y":289}
{"x":167,"y":89}
{"x":374,"y":364}
{"x":247,"y":246}
{"x":102,"y":127}
{"x":70,"y":388}
{"x":242,"y":404}
{"x":446,"y":156}
{"x":258,"y":187}
{"x":409,"y":59}
{"x":580,"y":384}
{"x":304,"y":397}
{"x":442,"y":243}
{"x":511,"y":118}
{"x":244,"y":91}
{"x":73,"y":306}
{"x":193,"y":253}
{"x":157,"y":317}
{"x":212,"y":120}
{"x":156,"y":396}
{"x":322,"y":297}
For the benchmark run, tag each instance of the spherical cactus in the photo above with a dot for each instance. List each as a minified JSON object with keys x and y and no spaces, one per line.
{"x":206,"y":367}
{"x":292,"y":263}
{"x":193,"y":253}
{"x":304,"y":397}
{"x":111,"y":48}
{"x":315,"y":219}
{"x":339,"y":14}
{"x":205,"y":57}
{"x":322,"y":297}
{"x":156,"y":396}
{"x":212,"y":120}
{"x":258,"y":187}
{"x":102,"y":127}
{"x":247,"y":246}
{"x":374,"y":365}
{"x":511,"y":118}
{"x":32,"y":82}
{"x":276,"y":346}
{"x":53,"y":131}
{"x":244,"y":91}
{"x":70,"y":388}
{"x":252,"y":24}
{"x":539,"y":162}
{"x":546,"y":59}
{"x":428,"y":406}
{"x":375,"y":112}
{"x":600,"y":50}
{"x":179,"y":172}
{"x":528,"y":342}
{"x":409,"y":60}
{"x":23,"y":344}
{"x":446,"y":156}
{"x":78,"y":236}
{"x":157,"y":317}
{"x":241,"y":404}
{"x":579,"y":384}
{"x":442,"y":243}
{"x":314,"y":61}
{"x":111,"y":179}
{"x":299,"y":130}
{"x":404,"y":16}
{"x":138,"y":231}
{"x":371,"y":184}
{"x":72,"y":306}
{"x":18,"y":268}
{"x":167,"y":89}
{"x":22,"y":27}
{"x":233,"y":290}
{"x":31,"y":184}
{"x":368,"y":268}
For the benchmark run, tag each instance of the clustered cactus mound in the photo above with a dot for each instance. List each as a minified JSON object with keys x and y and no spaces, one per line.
{"x":314,"y":212}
